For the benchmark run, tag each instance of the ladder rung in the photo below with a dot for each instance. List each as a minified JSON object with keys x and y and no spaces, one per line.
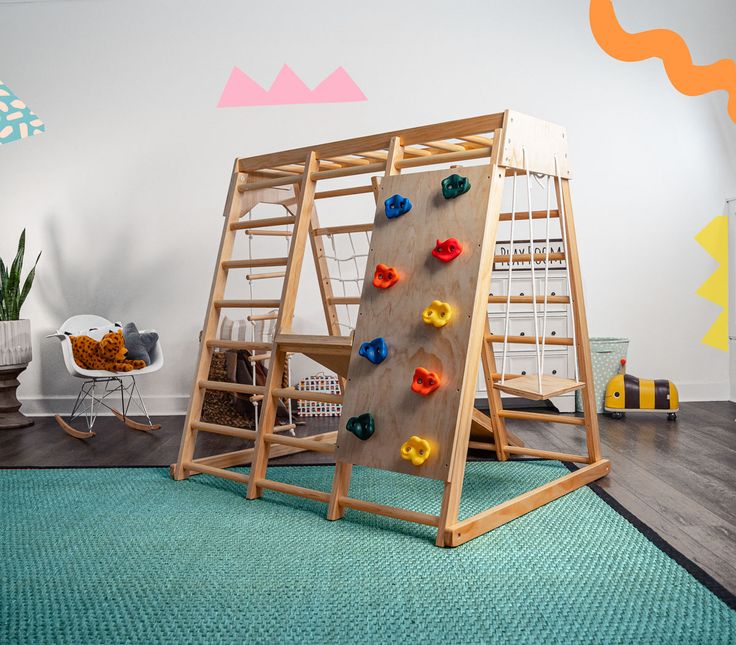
{"x":347,"y":228}
{"x":527,"y":300}
{"x":541,"y":416}
{"x":506,"y":217}
{"x":250,"y":264}
{"x":286,"y":426}
{"x":228,"y":431}
{"x":349,"y":161}
{"x":530,"y":340}
{"x":344,"y":300}
{"x":262,"y":317}
{"x":444,"y":157}
{"x":270,"y":183}
{"x":547,"y":454}
{"x":301,"y":442}
{"x":247,"y":304}
{"x":237,"y":344}
{"x":342,"y":192}
{"x":526,"y":257}
{"x":445,"y":145}
{"x":217,"y":472}
{"x":347,"y":172}
{"x":249,"y":231}
{"x":483,"y":141}
{"x":298,"y":491}
{"x":256,"y":397}
{"x":389,"y":511}
{"x":293,"y":393}
{"x":262,"y":223}
{"x":265,"y":276}
{"x":259,"y":357}
{"x":238,"y":388}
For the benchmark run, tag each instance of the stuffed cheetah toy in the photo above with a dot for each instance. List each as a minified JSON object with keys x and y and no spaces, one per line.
{"x":106,"y":354}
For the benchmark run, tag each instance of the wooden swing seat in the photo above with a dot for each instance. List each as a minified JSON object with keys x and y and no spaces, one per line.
{"x":528,"y":386}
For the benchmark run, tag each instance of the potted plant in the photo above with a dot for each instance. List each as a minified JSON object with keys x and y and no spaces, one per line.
{"x":15,"y":335}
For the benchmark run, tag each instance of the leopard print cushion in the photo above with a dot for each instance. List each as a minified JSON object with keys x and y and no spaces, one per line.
{"x":106,"y":354}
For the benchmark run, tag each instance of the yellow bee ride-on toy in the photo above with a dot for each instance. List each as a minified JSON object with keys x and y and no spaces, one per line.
{"x":627,"y":393}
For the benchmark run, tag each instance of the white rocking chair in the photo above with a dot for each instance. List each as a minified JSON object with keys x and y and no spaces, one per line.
{"x":100,"y":385}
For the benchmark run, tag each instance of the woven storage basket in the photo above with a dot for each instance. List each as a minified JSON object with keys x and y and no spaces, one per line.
{"x":606,"y":355}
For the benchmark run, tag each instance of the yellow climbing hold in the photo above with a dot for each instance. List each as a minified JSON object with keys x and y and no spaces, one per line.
{"x":437,"y":314}
{"x":416,"y":450}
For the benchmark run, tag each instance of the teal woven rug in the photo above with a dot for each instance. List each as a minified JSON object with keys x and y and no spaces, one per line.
{"x":129,"y":556}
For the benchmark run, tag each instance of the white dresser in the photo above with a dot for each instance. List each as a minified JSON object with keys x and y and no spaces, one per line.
{"x":522,"y":359}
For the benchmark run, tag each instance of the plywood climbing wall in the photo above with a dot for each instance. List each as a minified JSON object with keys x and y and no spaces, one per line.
{"x":395,"y":314}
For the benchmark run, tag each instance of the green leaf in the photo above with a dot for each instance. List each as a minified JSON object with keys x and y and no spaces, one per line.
{"x":27,"y":285}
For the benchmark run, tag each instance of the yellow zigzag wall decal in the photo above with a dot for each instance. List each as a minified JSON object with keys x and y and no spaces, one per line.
{"x":714,"y":239}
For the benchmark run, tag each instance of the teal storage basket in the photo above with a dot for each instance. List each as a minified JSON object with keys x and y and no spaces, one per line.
{"x":606,"y":355}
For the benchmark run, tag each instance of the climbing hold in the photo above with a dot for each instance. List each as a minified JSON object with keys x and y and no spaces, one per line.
{"x":397,"y":205}
{"x":416,"y":450}
{"x":362,"y":427}
{"x":385,"y":276}
{"x":375,"y":351}
{"x":425,"y":382}
{"x":437,"y":314}
{"x":454,"y":185}
{"x":447,"y":250}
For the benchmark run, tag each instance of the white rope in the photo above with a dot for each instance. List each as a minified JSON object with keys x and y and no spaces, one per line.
{"x":561,"y":206}
{"x":531,"y":264}
{"x":508,"y":286}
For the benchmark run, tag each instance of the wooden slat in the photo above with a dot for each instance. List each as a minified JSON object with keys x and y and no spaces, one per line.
{"x":257,"y":263}
{"x":519,"y":216}
{"x":228,"y":431}
{"x":343,"y":192}
{"x":417,"y":152}
{"x":376,"y":154}
{"x":301,"y":442}
{"x":410,"y":136}
{"x":255,"y":358}
{"x":347,"y":172}
{"x":238,"y":388}
{"x":236,"y":344}
{"x":482,"y":445}
{"x":286,"y":426}
{"x":483,"y":141}
{"x":546,"y":454}
{"x":527,"y":300}
{"x":529,"y":340}
{"x":445,"y":145}
{"x":277,"y":233}
{"x":475,"y":153}
{"x":262,"y":223}
{"x":247,"y":304}
{"x":298,"y":491}
{"x":349,"y":161}
{"x":526,"y":257}
{"x":541,"y":416}
{"x":217,"y":472}
{"x":346,"y":228}
{"x":527,"y":386}
{"x":310,"y":344}
{"x":389,"y":511}
{"x":255,"y":317}
{"x":293,"y":393}
{"x":476,"y":525}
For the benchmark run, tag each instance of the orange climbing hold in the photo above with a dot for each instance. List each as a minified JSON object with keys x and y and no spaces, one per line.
{"x":385,"y":276}
{"x":425,"y":382}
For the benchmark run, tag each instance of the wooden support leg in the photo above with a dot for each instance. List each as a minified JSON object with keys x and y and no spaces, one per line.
{"x":340,"y":488}
{"x":495,"y":405}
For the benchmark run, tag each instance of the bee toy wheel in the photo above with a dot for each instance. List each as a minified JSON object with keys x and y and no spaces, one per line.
{"x":617,"y":415}
{"x":671,"y":416}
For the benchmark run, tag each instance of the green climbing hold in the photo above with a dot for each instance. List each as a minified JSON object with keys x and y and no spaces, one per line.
{"x":362,"y":427}
{"x":454,"y":185}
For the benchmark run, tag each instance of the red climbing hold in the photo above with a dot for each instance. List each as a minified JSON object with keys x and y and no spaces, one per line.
{"x":425,"y":382}
{"x":385,"y":276}
{"x":447,"y":250}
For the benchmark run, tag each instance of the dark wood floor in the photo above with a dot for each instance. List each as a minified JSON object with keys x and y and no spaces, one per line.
{"x":677,"y":477}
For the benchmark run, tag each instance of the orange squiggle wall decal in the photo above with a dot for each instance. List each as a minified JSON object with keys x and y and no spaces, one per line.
{"x":692,"y":80}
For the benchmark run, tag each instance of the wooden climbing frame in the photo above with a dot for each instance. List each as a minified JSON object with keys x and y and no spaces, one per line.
{"x":499,"y":146}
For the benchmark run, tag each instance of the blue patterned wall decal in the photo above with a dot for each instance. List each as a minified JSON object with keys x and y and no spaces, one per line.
{"x":16,"y":120}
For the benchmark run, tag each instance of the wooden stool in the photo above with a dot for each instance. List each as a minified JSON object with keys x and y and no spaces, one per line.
{"x":10,"y":415}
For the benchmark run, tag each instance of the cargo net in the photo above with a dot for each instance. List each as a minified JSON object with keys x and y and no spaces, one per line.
{"x":347,"y":253}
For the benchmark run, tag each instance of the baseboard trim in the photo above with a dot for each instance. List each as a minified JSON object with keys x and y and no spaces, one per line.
{"x":46,"y":406}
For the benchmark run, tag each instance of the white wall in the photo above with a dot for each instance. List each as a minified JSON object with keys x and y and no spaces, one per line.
{"x":124,"y":192}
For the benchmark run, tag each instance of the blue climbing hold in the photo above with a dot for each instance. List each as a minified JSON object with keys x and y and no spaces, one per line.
{"x":375,"y":351}
{"x":397,"y":205}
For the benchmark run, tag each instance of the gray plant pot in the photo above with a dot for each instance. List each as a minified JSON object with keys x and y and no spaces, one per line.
{"x":15,"y":342}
